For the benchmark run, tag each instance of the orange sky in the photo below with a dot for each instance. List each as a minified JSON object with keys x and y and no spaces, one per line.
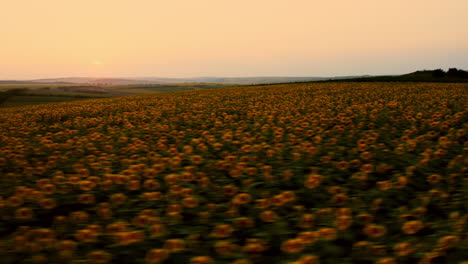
{"x":185,"y":38}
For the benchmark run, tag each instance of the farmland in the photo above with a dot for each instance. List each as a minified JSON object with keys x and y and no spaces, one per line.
{"x":13,"y":94}
{"x":31,"y":94}
{"x":289,"y":173}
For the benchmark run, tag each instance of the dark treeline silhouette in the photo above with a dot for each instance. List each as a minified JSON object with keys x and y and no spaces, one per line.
{"x":453,"y":75}
{"x":452,"y":72}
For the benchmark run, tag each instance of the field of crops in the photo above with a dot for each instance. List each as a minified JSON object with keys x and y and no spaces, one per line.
{"x":9,"y":86}
{"x":16,"y":101}
{"x":31,"y":95}
{"x":300,"y":173}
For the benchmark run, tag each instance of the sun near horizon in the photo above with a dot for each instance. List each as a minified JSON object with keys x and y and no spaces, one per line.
{"x":54,"y":38}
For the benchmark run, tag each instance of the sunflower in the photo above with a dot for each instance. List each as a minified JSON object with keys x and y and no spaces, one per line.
{"x":157,"y":255}
{"x":24,"y":213}
{"x":268,"y":216}
{"x":412,"y":227}
{"x":242,"y":198}
{"x":224,"y":248}
{"x":308,"y":237}
{"x":174,"y":245}
{"x":292,"y":246}
{"x":86,"y":235}
{"x":99,"y":256}
{"x":403,"y":249}
{"x":201,"y":260}
{"x":374,"y":230}
{"x":327,"y":233}
{"x":308,"y":259}
{"x":222,"y":231}
{"x":86,"y":199}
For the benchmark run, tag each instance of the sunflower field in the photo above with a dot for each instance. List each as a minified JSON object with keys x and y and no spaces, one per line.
{"x":292,"y":173}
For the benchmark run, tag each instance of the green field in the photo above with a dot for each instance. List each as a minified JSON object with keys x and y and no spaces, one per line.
{"x":19,"y":95}
{"x":9,"y":86}
{"x":58,"y":93}
{"x":29,"y":94}
{"x":15,"y":101}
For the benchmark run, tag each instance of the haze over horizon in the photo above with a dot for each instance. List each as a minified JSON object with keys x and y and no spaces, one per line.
{"x":148,"y":38}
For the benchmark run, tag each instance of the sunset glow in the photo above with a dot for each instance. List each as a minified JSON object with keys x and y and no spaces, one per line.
{"x":53,"y":38}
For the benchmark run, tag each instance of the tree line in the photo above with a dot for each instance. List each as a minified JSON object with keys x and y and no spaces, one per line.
{"x":452,"y":72}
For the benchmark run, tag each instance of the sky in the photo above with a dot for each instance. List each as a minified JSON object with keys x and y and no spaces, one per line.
{"x":190,"y":38}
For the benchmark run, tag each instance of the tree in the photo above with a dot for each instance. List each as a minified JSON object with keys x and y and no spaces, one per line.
{"x":454,"y":72}
{"x":439,"y":73}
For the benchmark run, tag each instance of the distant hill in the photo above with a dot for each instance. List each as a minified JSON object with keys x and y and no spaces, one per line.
{"x":86,"y":80}
{"x":438,"y":75}
{"x":15,"y":82}
{"x":162,"y":80}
